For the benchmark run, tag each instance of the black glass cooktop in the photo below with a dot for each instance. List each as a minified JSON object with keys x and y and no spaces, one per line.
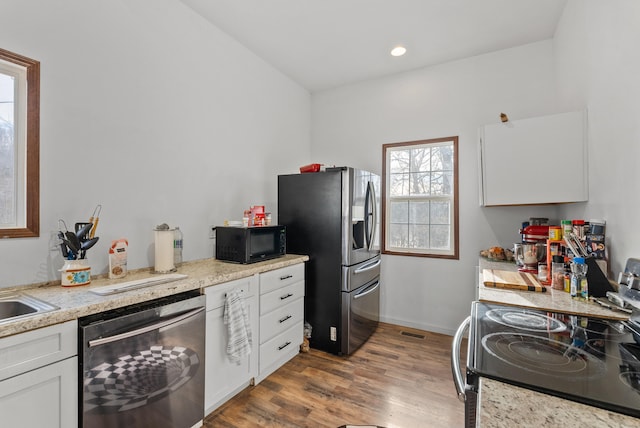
{"x":591,"y":360}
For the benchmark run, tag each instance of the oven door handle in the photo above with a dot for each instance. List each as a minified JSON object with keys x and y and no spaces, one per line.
{"x":142,"y":330}
{"x":458,"y":379}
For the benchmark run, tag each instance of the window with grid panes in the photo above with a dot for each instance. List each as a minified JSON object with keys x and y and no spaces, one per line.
{"x":420,"y":192}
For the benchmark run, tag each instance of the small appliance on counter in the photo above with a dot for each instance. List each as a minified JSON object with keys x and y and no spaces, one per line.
{"x":250,"y":244}
{"x":533,"y":249}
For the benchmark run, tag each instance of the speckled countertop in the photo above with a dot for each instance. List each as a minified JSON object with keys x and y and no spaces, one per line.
{"x":76,"y":302}
{"x":506,"y":406}
{"x":501,"y":405}
{"x":552,"y":300}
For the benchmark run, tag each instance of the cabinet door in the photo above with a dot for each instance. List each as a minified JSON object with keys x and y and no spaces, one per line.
{"x":44,"y":397}
{"x":223,"y":378}
{"x":23,"y":352}
{"x":540,"y":160}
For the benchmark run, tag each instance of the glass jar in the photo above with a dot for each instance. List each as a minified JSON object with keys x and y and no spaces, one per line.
{"x":557,"y":273}
{"x":543,"y":272}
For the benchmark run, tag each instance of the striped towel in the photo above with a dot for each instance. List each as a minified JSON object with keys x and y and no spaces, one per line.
{"x":236,"y":319}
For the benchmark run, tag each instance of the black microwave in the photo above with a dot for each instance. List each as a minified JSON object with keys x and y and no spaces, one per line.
{"x":250,"y":244}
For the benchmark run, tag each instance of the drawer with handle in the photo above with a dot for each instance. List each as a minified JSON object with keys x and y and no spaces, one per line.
{"x":281,"y":346}
{"x":275,"y":279}
{"x":280,"y":297}
{"x":277,"y":321}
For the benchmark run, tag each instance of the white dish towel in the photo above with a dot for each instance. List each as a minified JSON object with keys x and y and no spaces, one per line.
{"x":236,"y":319}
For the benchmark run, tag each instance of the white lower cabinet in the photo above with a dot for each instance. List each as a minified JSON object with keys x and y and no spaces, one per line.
{"x":39,"y":378}
{"x":224,"y":379}
{"x":275,"y":302}
{"x":281,"y":317}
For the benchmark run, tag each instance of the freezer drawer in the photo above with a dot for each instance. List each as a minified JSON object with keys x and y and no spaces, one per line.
{"x":361,"y":314}
{"x":356,"y":276}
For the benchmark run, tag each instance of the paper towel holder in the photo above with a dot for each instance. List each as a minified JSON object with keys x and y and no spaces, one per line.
{"x":164,"y":255}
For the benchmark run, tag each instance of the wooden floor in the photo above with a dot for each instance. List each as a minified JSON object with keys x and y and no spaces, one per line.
{"x":393,"y":380}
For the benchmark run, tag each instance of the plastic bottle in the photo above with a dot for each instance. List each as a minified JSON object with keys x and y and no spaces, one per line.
{"x":555,"y":233}
{"x":177,"y":247}
{"x":579,"y":286}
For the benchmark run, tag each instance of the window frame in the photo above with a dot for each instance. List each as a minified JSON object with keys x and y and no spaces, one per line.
{"x":30,"y":145}
{"x":430,"y":253}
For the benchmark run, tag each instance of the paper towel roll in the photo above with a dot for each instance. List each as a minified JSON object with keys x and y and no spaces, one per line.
{"x":164,"y":251}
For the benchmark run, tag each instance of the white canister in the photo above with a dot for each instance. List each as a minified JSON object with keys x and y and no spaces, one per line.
{"x":164,"y":261}
{"x":75,"y":272}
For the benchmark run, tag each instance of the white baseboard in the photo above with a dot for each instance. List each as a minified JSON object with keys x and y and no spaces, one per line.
{"x":420,"y":326}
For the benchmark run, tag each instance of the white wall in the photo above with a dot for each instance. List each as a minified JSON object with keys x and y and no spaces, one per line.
{"x":152,"y":112}
{"x":596,"y":50}
{"x":350,"y":124}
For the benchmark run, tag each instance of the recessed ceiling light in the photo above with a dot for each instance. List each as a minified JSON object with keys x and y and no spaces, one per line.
{"x":398,"y":51}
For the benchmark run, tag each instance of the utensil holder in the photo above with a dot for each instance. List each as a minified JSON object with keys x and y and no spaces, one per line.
{"x":75,"y":272}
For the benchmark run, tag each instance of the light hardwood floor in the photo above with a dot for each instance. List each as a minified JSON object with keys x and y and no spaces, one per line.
{"x":393,"y":380}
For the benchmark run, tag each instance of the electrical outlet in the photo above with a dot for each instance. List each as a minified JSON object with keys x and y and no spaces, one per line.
{"x":212,"y":232}
{"x":334,"y":334}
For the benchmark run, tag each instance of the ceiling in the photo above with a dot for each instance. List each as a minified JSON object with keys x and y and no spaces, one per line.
{"x":323,"y":44}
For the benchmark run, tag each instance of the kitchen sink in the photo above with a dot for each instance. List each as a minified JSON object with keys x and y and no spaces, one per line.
{"x":15,"y":306}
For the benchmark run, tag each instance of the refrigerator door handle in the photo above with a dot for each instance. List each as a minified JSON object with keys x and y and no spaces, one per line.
{"x":456,"y":371}
{"x":370,"y":215}
{"x":368,"y":290}
{"x":368,"y":267}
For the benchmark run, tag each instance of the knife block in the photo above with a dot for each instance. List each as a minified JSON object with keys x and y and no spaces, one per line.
{"x":596,"y":279}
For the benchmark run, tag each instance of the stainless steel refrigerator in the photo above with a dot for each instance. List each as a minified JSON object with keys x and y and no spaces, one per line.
{"x":332,"y":216}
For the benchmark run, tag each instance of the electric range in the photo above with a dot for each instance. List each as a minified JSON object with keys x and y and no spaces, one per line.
{"x":595,"y":361}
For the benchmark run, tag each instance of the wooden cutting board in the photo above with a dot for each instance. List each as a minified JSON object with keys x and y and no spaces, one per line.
{"x":511,"y":280}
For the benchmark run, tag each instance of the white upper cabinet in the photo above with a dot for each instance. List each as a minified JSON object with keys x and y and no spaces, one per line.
{"x":541,"y":160}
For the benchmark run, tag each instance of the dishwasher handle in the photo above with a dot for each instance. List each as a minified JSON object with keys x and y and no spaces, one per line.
{"x":145,"y":329}
{"x":458,"y":378}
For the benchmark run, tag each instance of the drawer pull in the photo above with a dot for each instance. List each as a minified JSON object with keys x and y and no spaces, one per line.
{"x":282,"y":278}
{"x":284,"y":319}
{"x":286,"y":297}
{"x":280,"y":348}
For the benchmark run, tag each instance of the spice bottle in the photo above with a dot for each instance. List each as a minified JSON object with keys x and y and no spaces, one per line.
{"x":566,"y":227}
{"x":557,"y":273}
{"x":555,"y":233}
{"x":578,"y":228}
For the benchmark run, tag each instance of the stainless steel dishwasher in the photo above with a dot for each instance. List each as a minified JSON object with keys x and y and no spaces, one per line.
{"x":143,"y":365}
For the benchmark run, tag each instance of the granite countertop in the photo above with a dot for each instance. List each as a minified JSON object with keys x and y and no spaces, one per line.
{"x":501,"y":405}
{"x":552,"y":300}
{"x":505,"y":406}
{"x":76,"y":302}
